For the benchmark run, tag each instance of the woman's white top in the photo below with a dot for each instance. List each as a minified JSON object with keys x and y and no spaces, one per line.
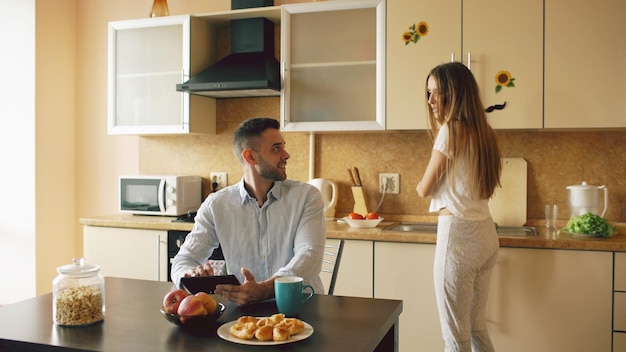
{"x":457,"y":200}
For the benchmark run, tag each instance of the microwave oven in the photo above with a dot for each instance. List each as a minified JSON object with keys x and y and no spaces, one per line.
{"x":160,"y":195}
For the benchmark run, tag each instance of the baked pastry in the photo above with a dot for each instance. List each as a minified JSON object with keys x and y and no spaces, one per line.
{"x":277,"y":318}
{"x":247,"y":319}
{"x":280,"y":333}
{"x":265,"y":322}
{"x":242,"y":331}
{"x":293,"y":324}
{"x":264,"y":333}
{"x":275,"y":327}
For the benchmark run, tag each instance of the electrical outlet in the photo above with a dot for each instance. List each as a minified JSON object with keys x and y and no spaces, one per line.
{"x":393,"y":183}
{"x":221,"y":178}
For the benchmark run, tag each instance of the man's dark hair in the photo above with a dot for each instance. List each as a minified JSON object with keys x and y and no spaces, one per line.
{"x":246,"y":135}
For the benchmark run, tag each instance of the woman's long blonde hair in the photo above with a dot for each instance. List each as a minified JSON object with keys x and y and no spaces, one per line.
{"x":470,"y":136}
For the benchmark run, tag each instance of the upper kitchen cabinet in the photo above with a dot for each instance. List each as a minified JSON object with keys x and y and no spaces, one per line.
{"x":147,"y":58}
{"x":333,"y":66}
{"x":435,"y":35}
{"x":500,"y":41}
{"x":585,"y":64}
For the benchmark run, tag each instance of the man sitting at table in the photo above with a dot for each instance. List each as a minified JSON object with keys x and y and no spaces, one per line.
{"x":268,"y":226}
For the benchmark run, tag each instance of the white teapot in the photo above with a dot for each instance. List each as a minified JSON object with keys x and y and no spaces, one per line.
{"x":585,"y":198}
{"x":329,"y":193}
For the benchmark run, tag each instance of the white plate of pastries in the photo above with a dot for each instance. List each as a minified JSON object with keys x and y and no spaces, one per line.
{"x":272,"y":330}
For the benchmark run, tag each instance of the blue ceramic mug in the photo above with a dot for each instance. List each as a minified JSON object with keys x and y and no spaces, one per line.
{"x":289,"y":294}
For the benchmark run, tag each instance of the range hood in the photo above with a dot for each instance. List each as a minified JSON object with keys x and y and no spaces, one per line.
{"x":250,"y":70}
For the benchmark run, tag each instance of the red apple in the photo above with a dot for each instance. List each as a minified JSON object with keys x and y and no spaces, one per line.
{"x":191,"y":306}
{"x":208,"y":302}
{"x":172,"y":300}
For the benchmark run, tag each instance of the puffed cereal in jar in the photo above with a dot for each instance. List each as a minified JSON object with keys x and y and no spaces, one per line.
{"x":78,"y":294}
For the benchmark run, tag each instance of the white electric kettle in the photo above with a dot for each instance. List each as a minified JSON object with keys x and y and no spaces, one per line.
{"x":585,"y":198}
{"x":329,"y":195}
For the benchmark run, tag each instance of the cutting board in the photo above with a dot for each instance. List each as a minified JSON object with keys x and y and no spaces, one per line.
{"x":508,"y":204}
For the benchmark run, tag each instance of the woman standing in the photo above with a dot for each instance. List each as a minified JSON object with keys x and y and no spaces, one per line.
{"x":461,"y":176}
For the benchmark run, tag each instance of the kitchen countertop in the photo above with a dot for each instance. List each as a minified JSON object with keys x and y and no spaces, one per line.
{"x":336,"y":230}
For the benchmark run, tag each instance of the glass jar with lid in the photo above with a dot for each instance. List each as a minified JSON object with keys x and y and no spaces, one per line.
{"x":78,"y":294}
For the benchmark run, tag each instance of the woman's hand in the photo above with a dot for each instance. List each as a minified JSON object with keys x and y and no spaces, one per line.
{"x":248,"y":292}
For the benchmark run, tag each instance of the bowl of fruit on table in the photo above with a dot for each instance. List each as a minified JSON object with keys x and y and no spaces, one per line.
{"x":191,"y":311}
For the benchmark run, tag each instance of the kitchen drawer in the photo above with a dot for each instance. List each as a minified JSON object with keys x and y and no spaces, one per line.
{"x":619,"y":312}
{"x":619,"y":342}
{"x":620,"y":272}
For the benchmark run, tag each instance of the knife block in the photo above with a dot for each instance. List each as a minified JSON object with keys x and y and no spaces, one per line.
{"x":360,"y":203}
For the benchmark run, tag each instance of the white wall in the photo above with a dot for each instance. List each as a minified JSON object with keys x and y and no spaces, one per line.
{"x":17,"y":150}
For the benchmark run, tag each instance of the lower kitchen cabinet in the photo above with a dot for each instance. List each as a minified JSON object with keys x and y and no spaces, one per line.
{"x":405,"y":271}
{"x":125,"y":252}
{"x":540,"y":300}
{"x":551,"y":300}
{"x":355,"y":276}
{"x":619,"y":341}
{"x":619,"y":303}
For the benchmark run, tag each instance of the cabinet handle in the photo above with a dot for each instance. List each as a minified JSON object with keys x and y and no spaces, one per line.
{"x":452,"y":57}
{"x":283,"y":102}
{"x":183,"y":77}
{"x":469,"y":61}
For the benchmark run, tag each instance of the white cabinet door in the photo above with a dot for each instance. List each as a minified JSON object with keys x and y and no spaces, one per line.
{"x":128,"y":253}
{"x":515,"y":45}
{"x":552,"y":295}
{"x":408,"y":63}
{"x":551,"y":300}
{"x":333,"y":66}
{"x":619,"y":302}
{"x":585,"y":82}
{"x":355,"y":276}
{"x":405,"y":271}
{"x":147,"y":58}
{"x":620,"y":272}
{"x":619,"y":342}
{"x":619,"y":311}
{"x":468,"y":32}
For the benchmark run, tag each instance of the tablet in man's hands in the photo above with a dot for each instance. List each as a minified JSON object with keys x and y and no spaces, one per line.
{"x":195,"y":284}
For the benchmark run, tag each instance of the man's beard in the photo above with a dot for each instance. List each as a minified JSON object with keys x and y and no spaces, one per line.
{"x":270,"y":172}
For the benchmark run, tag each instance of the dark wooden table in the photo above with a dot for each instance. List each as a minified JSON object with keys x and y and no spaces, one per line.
{"x":133,"y":323}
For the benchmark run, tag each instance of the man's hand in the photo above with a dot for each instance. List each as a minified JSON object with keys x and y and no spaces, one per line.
{"x":249,"y":291}
{"x":200,"y":270}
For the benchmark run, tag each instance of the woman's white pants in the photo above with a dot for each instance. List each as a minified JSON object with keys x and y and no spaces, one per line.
{"x":465,"y":254}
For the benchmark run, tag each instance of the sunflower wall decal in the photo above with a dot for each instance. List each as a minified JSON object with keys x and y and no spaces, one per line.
{"x":415,"y":32}
{"x":504,"y":79}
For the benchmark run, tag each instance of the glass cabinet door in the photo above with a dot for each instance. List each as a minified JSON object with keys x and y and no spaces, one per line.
{"x":147,"y":58}
{"x":333,"y":66}
{"x":146,"y":74}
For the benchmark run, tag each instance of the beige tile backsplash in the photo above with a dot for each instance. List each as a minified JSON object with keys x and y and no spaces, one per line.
{"x":555,"y":159}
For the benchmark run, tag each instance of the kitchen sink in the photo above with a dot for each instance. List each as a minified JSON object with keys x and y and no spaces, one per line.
{"x":412,"y":227}
{"x":522,"y":231}
{"x":425,"y":227}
